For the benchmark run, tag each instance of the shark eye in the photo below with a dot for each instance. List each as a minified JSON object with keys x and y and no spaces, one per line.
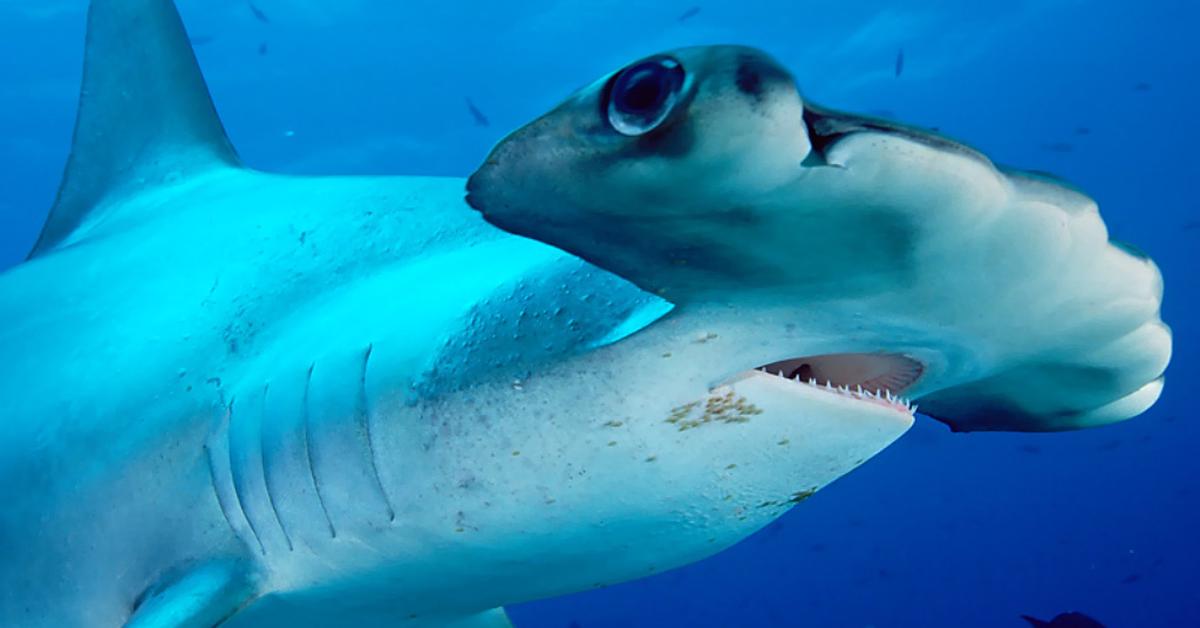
{"x":641,"y":96}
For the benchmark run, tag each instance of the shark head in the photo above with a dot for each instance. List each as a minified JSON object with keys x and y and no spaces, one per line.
{"x":861,"y":252}
{"x":659,"y":171}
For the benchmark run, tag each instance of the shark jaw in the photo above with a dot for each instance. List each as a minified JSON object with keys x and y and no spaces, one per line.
{"x":876,"y":378}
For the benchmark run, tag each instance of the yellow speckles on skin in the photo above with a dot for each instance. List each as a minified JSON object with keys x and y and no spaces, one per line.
{"x":783,"y":442}
{"x":516,"y":453}
{"x":730,"y":466}
{"x":612,"y":443}
{"x":614,"y":423}
{"x":800,"y":496}
{"x":726,"y":408}
{"x":680,"y":413}
{"x":651,"y":458}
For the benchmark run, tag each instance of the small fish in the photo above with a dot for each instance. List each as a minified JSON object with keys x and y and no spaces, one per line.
{"x":1191,"y":225}
{"x":1131,"y":578}
{"x":480,"y":119}
{"x":899,"y":63}
{"x":1031,"y":449}
{"x":258,"y":13}
{"x":1065,"y":620}
{"x":200,"y":40}
{"x":1082,"y":130}
{"x":1059,"y":147}
{"x":1141,"y":87}
{"x":689,"y":14}
{"x":262,"y":49}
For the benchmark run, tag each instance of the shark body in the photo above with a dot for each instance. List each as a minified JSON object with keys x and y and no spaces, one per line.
{"x":253,"y":399}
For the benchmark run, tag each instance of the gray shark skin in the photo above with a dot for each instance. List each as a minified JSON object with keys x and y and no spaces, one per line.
{"x":253,"y":399}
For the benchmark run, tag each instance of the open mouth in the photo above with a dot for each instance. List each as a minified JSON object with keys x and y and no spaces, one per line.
{"x":871,"y":377}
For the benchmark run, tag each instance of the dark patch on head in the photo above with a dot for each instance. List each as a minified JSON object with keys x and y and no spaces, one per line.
{"x":748,"y":80}
{"x":754,"y":76}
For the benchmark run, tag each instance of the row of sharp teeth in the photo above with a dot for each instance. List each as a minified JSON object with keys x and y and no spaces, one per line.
{"x":857,"y":392}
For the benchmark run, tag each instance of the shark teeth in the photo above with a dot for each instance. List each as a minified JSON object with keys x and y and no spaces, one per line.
{"x":882,"y":396}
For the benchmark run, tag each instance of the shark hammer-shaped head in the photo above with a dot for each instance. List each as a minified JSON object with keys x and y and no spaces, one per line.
{"x":867,"y":253}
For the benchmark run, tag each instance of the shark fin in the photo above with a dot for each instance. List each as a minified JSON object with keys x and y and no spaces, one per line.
{"x":203,"y":596}
{"x":145,"y":117}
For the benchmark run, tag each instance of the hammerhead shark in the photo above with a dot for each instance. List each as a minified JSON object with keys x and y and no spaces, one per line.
{"x":252,"y":399}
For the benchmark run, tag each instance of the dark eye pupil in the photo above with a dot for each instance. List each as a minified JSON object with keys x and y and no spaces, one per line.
{"x":642,"y":96}
{"x":643,"y":90}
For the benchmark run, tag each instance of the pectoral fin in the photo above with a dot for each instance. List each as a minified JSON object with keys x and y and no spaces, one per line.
{"x":201,"y":597}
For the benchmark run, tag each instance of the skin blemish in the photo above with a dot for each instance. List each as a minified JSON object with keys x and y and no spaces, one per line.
{"x":800,"y":496}
{"x":726,"y":408}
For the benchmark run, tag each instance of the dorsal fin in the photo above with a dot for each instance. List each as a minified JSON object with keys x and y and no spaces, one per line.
{"x":145,"y":116}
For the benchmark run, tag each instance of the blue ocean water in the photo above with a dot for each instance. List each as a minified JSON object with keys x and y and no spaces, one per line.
{"x":941,"y":529}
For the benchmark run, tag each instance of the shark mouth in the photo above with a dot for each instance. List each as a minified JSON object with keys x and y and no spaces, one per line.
{"x":870,"y":377}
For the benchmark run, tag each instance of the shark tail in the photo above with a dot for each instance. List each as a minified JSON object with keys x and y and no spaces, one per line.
{"x":145,"y":117}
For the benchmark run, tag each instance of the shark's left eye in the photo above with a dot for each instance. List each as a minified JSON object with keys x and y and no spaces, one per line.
{"x":641,"y":96}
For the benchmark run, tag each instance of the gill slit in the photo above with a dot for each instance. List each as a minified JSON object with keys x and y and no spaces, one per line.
{"x":236,"y":491}
{"x":312,"y":469}
{"x":364,"y":416}
{"x":266,"y":478}
{"x":212,"y":477}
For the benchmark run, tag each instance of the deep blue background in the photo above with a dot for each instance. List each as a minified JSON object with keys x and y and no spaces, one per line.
{"x":941,"y":529}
